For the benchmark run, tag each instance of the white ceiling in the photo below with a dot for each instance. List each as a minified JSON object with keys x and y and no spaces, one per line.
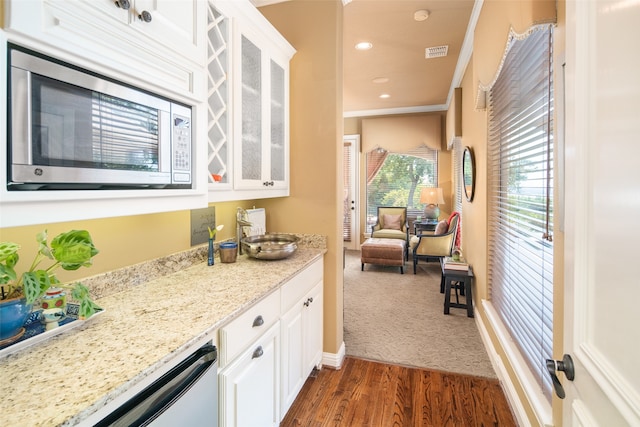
{"x":415,"y":84}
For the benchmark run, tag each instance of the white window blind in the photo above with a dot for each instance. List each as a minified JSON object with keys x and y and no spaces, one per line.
{"x":347,"y":163}
{"x":520,"y":198}
{"x":457,"y":174}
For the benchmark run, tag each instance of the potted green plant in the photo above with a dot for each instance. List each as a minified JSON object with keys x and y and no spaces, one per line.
{"x":69,"y":251}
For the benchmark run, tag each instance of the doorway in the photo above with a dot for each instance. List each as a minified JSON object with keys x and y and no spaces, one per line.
{"x":351,"y":210}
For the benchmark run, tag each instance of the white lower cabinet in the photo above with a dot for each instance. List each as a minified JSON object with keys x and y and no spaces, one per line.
{"x":249,"y":385}
{"x":268,"y":351}
{"x":301,"y":331}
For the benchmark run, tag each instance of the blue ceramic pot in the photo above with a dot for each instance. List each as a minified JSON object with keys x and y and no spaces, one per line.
{"x":13,"y":314}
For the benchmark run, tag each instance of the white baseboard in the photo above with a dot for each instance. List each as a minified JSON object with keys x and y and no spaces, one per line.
{"x":334,"y":360}
{"x":503,"y":376}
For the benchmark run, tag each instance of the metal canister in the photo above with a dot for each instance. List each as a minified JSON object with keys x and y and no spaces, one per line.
{"x":228,"y":252}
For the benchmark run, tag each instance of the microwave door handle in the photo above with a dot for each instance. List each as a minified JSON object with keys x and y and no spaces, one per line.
{"x":20,"y":119}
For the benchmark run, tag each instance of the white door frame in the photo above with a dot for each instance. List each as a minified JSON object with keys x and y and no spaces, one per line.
{"x":354,"y":196}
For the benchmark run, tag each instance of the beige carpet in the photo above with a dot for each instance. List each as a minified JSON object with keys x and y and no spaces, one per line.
{"x":397,"y":318}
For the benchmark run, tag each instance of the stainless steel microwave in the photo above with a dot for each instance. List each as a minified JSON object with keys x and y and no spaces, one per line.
{"x":70,"y":128}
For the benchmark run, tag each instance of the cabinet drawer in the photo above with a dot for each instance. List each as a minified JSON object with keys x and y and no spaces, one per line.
{"x":244,"y":329}
{"x":303,"y":282}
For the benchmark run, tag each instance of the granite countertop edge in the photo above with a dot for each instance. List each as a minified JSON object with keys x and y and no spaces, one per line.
{"x":145,"y":325}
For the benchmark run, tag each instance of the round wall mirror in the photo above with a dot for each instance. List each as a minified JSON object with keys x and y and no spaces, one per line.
{"x":468,"y":173}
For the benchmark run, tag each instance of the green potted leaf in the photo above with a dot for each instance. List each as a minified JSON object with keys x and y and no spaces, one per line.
{"x":69,"y":251}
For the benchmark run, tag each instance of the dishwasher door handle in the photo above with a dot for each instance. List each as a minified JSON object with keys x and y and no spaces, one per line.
{"x":149,"y":404}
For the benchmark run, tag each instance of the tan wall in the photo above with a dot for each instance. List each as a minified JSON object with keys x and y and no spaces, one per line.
{"x":352,"y":126}
{"x":314,"y":28}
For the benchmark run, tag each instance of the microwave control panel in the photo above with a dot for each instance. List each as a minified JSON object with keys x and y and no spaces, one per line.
{"x":181,"y":148}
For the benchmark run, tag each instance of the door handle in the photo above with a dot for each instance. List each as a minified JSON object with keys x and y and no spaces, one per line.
{"x":565,"y":365}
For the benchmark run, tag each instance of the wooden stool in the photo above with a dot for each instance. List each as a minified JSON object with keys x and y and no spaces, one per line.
{"x":460,"y":281}
{"x":383,"y":252}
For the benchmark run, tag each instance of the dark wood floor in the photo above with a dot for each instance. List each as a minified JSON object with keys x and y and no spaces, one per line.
{"x":365,"y":393}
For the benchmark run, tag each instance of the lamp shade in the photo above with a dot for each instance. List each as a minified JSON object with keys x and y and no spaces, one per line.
{"x":432,"y":196}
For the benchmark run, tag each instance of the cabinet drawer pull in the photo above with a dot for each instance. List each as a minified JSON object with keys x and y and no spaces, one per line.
{"x":124,"y":4}
{"x":258,"y":352}
{"x":145,"y":16}
{"x":258,"y":321}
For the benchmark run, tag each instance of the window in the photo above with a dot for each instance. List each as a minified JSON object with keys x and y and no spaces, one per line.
{"x":520,"y":201}
{"x":395,"y":179}
{"x":456,"y":158}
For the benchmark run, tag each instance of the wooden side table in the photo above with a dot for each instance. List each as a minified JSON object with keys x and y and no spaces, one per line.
{"x":461,"y":282}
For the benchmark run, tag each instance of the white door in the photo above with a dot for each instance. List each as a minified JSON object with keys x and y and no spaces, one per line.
{"x":602,"y":240}
{"x":351,"y":215}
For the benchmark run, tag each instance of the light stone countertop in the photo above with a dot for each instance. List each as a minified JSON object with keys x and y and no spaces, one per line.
{"x":70,"y":376}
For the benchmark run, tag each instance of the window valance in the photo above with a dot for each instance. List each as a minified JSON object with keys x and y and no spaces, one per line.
{"x":402,"y":134}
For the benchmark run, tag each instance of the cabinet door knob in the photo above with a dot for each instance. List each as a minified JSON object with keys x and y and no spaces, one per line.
{"x":124,"y":4}
{"x":145,"y":16}
{"x":258,"y":352}
{"x":258,"y":321}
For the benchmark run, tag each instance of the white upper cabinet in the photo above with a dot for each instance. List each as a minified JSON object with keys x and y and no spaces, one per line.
{"x":263,"y":118}
{"x":156,"y":44}
{"x":257,"y":144}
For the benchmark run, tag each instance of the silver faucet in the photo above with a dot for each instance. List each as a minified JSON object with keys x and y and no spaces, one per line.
{"x":242,"y":220}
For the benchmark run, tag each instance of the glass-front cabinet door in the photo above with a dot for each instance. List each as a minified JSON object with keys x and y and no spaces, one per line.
{"x":251,"y":154}
{"x":263,"y":161}
{"x":279,"y":127}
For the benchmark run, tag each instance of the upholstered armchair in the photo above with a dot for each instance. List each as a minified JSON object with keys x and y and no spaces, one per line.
{"x":392,"y":224}
{"x":426,"y":246}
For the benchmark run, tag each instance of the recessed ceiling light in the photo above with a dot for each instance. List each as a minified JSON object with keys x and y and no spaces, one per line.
{"x":380,"y":80}
{"x":385,"y":96}
{"x":364,"y":46}
{"x":421,"y":15}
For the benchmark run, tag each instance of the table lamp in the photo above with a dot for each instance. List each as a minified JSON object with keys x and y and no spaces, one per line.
{"x":432,"y":197}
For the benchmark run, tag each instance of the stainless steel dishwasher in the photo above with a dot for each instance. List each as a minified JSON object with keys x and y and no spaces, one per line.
{"x":187,"y":395}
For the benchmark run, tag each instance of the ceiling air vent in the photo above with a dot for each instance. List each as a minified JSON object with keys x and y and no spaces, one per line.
{"x":436,"y":52}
